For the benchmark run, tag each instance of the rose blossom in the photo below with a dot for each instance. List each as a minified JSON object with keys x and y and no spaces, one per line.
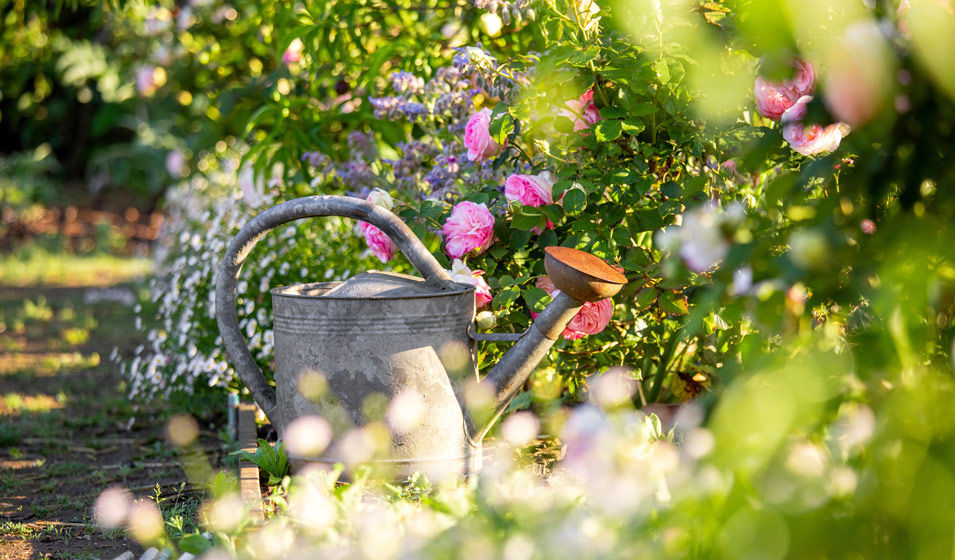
{"x":582,"y":111}
{"x":803,"y":81}
{"x":530,"y":190}
{"x":469,"y":229}
{"x":592,"y":318}
{"x":771,"y":101}
{"x":774,"y":98}
{"x":812,"y":139}
{"x":461,"y":274}
{"x":477,"y":137}
{"x":379,"y":243}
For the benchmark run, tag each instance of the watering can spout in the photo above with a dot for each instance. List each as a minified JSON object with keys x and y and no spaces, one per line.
{"x":580,"y":278}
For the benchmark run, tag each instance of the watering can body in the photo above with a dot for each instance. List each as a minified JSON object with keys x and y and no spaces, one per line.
{"x":356,"y":352}
{"x":399,"y":343}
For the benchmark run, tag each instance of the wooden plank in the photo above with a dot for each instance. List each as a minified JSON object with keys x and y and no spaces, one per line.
{"x":249,"y":473}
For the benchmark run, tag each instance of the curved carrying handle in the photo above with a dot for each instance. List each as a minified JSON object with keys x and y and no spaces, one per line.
{"x":307,"y":207}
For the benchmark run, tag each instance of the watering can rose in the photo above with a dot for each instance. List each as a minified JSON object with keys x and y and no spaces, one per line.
{"x":469,"y":229}
{"x":592,"y":318}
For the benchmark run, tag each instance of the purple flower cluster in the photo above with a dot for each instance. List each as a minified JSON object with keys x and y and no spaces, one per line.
{"x":406,"y":83}
{"x":444,"y":99}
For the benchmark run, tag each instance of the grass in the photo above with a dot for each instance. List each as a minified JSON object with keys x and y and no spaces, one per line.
{"x":38,"y":266}
{"x":9,"y":434}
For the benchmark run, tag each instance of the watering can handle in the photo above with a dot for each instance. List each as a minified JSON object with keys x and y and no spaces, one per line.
{"x":306,"y":207}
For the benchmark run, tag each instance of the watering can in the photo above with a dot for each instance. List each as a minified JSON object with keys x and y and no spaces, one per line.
{"x":381,"y":335}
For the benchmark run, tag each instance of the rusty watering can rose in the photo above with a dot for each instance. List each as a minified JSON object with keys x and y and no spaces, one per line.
{"x":379,"y":341}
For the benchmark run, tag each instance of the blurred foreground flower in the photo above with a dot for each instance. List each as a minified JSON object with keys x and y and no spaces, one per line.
{"x":703,"y":237}
{"x":294,"y":52}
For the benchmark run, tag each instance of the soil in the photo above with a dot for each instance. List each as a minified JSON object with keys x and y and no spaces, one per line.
{"x":67,"y":430}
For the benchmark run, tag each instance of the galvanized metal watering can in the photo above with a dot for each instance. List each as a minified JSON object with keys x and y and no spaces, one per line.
{"x":381,"y":335}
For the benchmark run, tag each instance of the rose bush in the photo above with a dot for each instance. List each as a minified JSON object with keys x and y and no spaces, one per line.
{"x":790,"y":296}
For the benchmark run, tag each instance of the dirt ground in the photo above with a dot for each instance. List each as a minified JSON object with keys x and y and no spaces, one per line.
{"x":67,"y":430}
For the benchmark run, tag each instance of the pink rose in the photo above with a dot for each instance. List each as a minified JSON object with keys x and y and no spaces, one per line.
{"x":469,"y":229}
{"x":462,"y":274}
{"x":803,"y":82}
{"x":812,"y":139}
{"x":379,"y":243}
{"x":530,"y":190}
{"x":477,"y":137}
{"x":582,"y":111}
{"x":592,"y":318}
{"x":774,"y":98}
{"x":771,"y":101}
{"x":294,"y":52}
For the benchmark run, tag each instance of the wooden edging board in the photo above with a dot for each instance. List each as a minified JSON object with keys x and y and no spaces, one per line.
{"x":249,"y":487}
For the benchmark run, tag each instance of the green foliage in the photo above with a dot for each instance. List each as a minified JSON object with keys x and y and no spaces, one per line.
{"x":272,"y":460}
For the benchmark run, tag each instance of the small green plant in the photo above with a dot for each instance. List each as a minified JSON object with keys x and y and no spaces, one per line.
{"x":270,"y":460}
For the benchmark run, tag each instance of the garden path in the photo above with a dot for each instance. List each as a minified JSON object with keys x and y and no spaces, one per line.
{"x":67,"y":431}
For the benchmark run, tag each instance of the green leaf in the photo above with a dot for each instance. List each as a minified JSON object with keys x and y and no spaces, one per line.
{"x":645,"y":298}
{"x":224,"y":484}
{"x":505,"y":297}
{"x":528,"y":218}
{"x":671,"y":189}
{"x":194,"y":544}
{"x":560,"y":187}
{"x":521,"y":401}
{"x":633,"y":126}
{"x":662,"y":70}
{"x":519,"y":239}
{"x":607,"y":131}
{"x":612,"y":113}
{"x":553,"y":212}
{"x":501,"y":128}
{"x":642,"y":109}
{"x":646,"y":219}
{"x":536,"y":298}
{"x":673,"y":303}
{"x":574,"y":201}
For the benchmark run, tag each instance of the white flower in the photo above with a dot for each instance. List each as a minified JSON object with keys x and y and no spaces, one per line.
{"x":253,"y":190}
{"x":381,"y":198}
